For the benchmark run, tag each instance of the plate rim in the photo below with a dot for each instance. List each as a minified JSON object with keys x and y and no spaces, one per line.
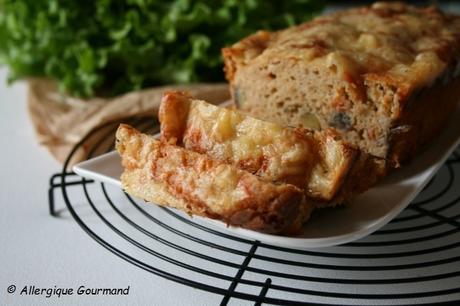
{"x":84,"y":169}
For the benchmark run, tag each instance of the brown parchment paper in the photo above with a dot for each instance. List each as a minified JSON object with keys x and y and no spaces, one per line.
{"x":60,"y":121}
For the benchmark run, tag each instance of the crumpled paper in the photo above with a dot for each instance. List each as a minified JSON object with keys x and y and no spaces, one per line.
{"x":60,"y":121}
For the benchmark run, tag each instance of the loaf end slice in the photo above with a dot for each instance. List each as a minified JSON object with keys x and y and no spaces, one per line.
{"x":172,"y":176}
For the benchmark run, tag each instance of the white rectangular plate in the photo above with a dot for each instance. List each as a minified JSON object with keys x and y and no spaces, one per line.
{"x":366,"y":214}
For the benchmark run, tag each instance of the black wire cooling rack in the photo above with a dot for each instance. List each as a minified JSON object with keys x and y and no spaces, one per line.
{"x":415,"y":259}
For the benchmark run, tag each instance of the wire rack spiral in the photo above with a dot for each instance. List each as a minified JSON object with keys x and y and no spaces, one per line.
{"x":415,"y":259}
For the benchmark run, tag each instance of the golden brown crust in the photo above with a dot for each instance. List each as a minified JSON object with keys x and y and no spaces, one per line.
{"x":318,"y":163}
{"x":376,"y":40}
{"x":169,"y":175}
{"x":256,"y":43}
{"x":366,"y":172}
{"x":173,"y":126}
{"x":423,"y":120}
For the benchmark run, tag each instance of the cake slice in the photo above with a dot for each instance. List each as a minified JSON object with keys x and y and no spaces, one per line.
{"x":385,"y":77}
{"x":318,"y":163}
{"x":172,"y":176}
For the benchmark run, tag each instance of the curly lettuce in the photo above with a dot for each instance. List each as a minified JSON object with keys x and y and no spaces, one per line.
{"x":108,"y":47}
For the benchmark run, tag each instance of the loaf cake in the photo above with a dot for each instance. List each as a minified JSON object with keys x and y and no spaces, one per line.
{"x":317,"y":162}
{"x":172,"y":176}
{"x":384,"y":77}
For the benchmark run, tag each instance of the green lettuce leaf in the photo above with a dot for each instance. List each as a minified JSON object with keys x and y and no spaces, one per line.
{"x":108,"y":47}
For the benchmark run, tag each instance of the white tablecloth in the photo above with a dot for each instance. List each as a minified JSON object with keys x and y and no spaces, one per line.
{"x":42,"y":251}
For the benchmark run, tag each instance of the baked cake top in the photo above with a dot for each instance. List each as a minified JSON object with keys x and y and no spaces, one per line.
{"x":389,"y":42}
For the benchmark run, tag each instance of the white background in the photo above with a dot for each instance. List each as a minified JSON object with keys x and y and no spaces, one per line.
{"x":37,"y":249}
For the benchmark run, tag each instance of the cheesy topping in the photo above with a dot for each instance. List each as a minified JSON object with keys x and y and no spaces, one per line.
{"x":391,"y":40}
{"x":316,"y":163}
